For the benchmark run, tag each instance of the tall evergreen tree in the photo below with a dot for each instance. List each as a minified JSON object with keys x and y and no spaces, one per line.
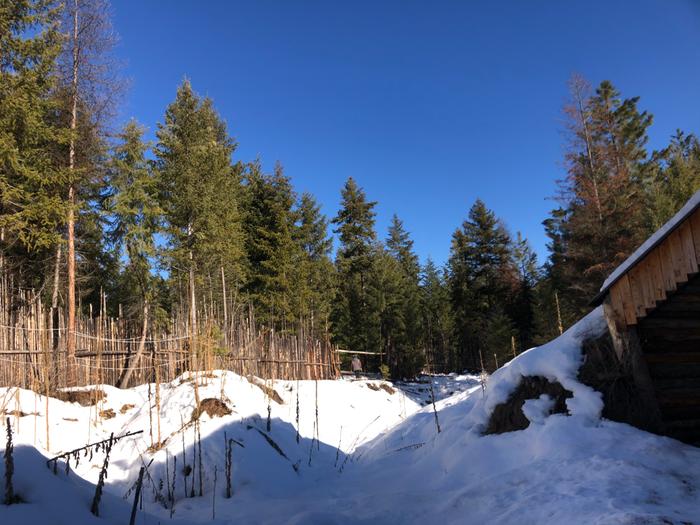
{"x":481,"y":277}
{"x":87,"y":88}
{"x":675,"y":178}
{"x":200,"y":194}
{"x":135,"y":216}
{"x":134,"y":212}
{"x":405,"y":350}
{"x":32,"y":208}
{"x":355,"y":324}
{"x":606,"y":164}
{"x":269,"y":227}
{"x":523,"y":301}
{"x":437,"y":318}
{"x":314,"y":273}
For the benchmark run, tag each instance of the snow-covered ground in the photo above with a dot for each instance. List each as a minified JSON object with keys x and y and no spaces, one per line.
{"x":378,"y":457}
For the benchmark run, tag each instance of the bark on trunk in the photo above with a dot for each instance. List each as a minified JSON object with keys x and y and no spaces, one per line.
{"x":133,"y":363}
{"x":70,"y":342}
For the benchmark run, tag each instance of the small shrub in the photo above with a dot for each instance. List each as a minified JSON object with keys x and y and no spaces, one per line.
{"x":384,"y":370}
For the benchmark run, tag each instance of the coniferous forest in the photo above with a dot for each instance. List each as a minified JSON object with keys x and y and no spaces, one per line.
{"x":92,"y":216}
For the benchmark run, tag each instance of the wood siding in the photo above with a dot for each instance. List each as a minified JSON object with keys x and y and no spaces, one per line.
{"x":658,"y":274}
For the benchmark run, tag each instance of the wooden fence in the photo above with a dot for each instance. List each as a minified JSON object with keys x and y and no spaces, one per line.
{"x":33,"y":350}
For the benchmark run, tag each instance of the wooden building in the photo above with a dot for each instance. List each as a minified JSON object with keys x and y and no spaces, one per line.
{"x":652,"y":306}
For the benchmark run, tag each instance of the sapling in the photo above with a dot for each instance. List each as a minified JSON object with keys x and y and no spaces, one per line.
{"x":10,"y":496}
{"x":194,"y":457}
{"x":167,"y":477}
{"x":137,"y":496}
{"x":199,"y":450}
{"x":186,"y":469}
{"x":297,"y":411}
{"x":482,"y":375}
{"x":269,"y":407}
{"x":228,"y":445}
{"x":316,"y":429}
{"x":95,"y":509}
{"x":337,"y":450}
{"x":432,"y":399}
{"x":172,"y":488}
{"x":150,"y":415}
{"x":213,"y":497}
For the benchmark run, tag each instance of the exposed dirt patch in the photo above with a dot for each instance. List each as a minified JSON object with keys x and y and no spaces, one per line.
{"x":85,"y":398}
{"x":213,"y":407}
{"x":388,"y":389}
{"x":18,"y":413}
{"x":156,"y":446}
{"x":509,"y":416}
{"x":107,"y":413}
{"x":125,"y":408}
{"x":382,"y":386}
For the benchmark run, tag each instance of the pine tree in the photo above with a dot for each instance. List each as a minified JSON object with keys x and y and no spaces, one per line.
{"x":314,"y":273}
{"x":406,"y":356}
{"x":481,"y":278}
{"x":135,"y":217}
{"x":523,"y":302}
{"x":437,"y":318}
{"x":675,"y":178}
{"x":134,"y":211}
{"x":602,"y":221}
{"x":269,"y":226}
{"x":87,"y":90}
{"x":32,"y":208}
{"x":199,"y":194}
{"x":355,"y":323}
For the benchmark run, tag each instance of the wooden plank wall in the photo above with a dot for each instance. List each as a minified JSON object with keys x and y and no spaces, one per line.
{"x":659,"y":273}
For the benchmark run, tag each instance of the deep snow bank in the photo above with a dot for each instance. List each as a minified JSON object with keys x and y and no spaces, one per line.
{"x":378,"y":457}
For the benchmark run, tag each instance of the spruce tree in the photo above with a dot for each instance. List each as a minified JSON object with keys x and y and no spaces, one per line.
{"x":675,"y":178}
{"x":603,"y":219}
{"x":32,"y":209}
{"x":481,"y":277}
{"x":134,"y":211}
{"x":314,"y":273}
{"x":269,"y":228}
{"x":199,"y":195}
{"x":437,"y":318}
{"x":522,"y":308}
{"x":406,"y":352}
{"x":135,"y":214}
{"x":355,"y":322}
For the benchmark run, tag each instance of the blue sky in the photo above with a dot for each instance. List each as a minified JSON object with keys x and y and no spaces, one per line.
{"x":428,"y":105}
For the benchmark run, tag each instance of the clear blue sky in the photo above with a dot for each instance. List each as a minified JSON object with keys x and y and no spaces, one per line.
{"x":427,"y":104}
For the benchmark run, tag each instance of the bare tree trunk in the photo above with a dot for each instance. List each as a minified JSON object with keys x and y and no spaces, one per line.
{"x":193,"y":304}
{"x":2,"y":250}
{"x":223,"y":297}
{"x":193,"y":328}
{"x":129,"y":370}
{"x":70,"y":346}
{"x":55,"y":318}
{"x":578,"y":87}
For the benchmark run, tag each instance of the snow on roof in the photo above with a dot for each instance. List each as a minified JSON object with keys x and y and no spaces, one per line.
{"x":652,"y":242}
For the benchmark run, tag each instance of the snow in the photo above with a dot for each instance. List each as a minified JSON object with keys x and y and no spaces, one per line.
{"x":652,"y":241}
{"x":379,"y":458}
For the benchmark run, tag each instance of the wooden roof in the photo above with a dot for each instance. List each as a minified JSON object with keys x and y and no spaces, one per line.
{"x":656,"y":268}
